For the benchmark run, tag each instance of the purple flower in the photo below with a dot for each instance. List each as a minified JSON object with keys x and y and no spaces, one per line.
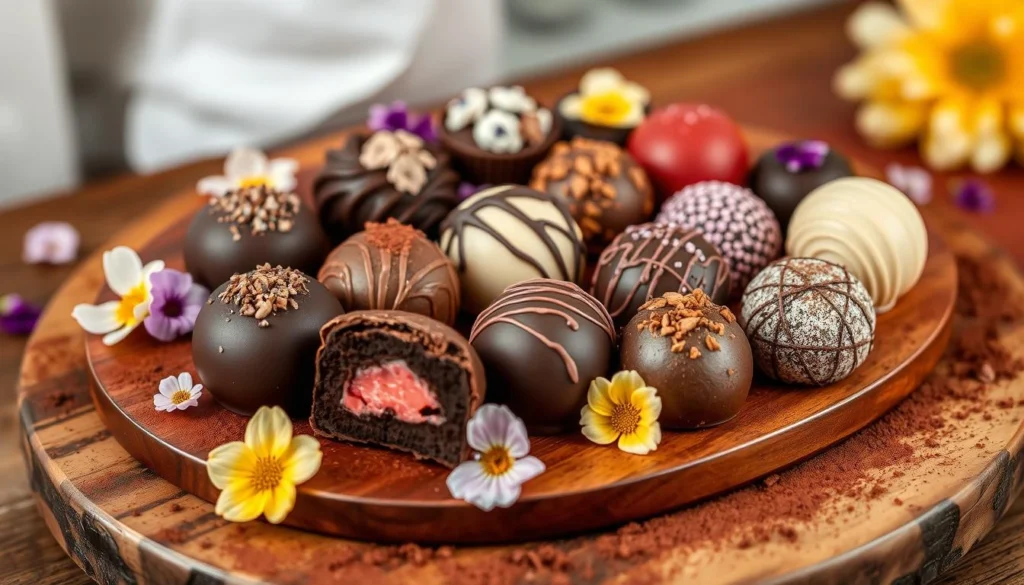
{"x":175,"y":306}
{"x":802,"y":156}
{"x":397,"y":117}
{"x":51,"y":242}
{"x":974,"y":195}
{"x":467,"y":190}
{"x":17,"y":316}
{"x":915,"y":182}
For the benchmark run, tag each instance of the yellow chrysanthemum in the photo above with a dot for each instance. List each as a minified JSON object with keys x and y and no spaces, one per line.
{"x":258,"y":476}
{"x":624,"y":409}
{"x":947,"y":72}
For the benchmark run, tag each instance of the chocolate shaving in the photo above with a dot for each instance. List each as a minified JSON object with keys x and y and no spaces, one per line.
{"x":263,"y":292}
{"x":262,"y":208}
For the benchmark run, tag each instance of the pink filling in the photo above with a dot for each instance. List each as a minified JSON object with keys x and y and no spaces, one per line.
{"x":392,"y":387}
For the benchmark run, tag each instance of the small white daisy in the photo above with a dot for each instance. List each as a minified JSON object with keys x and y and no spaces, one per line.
{"x":177,"y":393}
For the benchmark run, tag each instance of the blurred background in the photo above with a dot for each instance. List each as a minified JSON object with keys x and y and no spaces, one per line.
{"x":91,"y":88}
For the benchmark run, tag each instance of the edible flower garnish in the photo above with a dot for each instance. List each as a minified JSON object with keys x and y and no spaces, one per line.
{"x":397,"y":117}
{"x":249,"y":167}
{"x":175,"y":305}
{"x":177,"y":393}
{"x":606,"y":98}
{"x":130,"y":280}
{"x":974,"y":195}
{"x":805,"y":155}
{"x":51,"y":242}
{"x":18,"y":316}
{"x":915,"y":182}
{"x":624,"y":409}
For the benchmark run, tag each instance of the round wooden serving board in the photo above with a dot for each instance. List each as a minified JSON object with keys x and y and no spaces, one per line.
{"x":123,"y":523}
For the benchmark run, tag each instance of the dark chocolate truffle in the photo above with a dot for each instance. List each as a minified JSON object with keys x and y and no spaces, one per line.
{"x":393,"y":266}
{"x":497,"y":135}
{"x":696,"y":355}
{"x":648,"y":260}
{"x":809,"y":321}
{"x":255,"y":340}
{"x":785,"y":175}
{"x":384,"y":175}
{"x":397,"y":380}
{"x":605,"y":190}
{"x":543,"y":341}
{"x":251,"y":226}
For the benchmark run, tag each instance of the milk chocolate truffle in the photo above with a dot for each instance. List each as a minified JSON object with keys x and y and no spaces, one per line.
{"x":809,"y":321}
{"x":508,"y":234}
{"x":786,"y":174}
{"x":256,"y":338}
{"x":695,"y":354}
{"x":734,"y":220}
{"x":867,"y":226}
{"x":497,"y":135}
{"x":607,"y":107}
{"x":605,"y":189}
{"x":250,"y":226}
{"x":651,"y":259}
{"x":397,"y":380}
{"x":542,"y":342}
{"x":381,"y":176}
{"x":392,"y":266}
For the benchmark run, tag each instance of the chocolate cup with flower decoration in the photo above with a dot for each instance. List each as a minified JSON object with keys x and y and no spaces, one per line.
{"x":571,"y":128}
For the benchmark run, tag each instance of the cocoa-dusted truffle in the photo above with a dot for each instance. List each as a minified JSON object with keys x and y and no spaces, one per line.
{"x":809,"y":321}
{"x":696,"y":355}
{"x":543,"y":341}
{"x":605,"y":189}
{"x":648,"y":260}
{"x":393,"y":266}
{"x":255,"y":339}
{"x":384,"y":175}
{"x":397,"y":380}
{"x":250,"y":226}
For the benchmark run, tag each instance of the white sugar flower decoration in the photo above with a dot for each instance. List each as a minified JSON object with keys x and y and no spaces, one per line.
{"x":249,"y":167}
{"x":501,"y":463}
{"x":127,"y":277}
{"x":511,"y":99}
{"x":498,"y":132}
{"x":177,"y":393}
{"x":465,"y":109}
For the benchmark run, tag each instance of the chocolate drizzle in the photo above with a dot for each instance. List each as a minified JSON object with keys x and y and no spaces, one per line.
{"x":348,"y":194}
{"x":532,"y":292}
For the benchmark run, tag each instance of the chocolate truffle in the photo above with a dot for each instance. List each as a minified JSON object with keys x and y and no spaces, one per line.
{"x":785,"y":175}
{"x":392,"y":266}
{"x":384,"y":175}
{"x":607,"y":107}
{"x":251,"y":226}
{"x":867,"y":226}
{"x":651,"y":259}
{"x":397,"y":380}
{"x":255,"y":340}
{"x":733,"y":219}
{"x":497,"y":135}
{"x":508,"y":234}
{"x":809,"y":321}
{"x":542,"y":342}
{"x":696,"y":355}
{"x":605,"y":189}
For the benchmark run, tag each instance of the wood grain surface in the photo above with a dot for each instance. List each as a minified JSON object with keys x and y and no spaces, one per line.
{"x":772,"y":74}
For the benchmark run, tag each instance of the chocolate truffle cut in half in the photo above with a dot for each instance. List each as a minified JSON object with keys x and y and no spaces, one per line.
{"x":397,"y":380}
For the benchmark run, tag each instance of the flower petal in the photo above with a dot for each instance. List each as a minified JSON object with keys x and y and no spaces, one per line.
{"x":875,"y":24}
{"x":215,"y":186}
{"x":161,"y":402}
{"x":598,"y":396}
{"x":230,"y":462}
{"x":638,"y":443}
{"x":506,"y":490}
{"x":123,"y":269}
{"x":600,"y":80}
{"x":185,"y":381}
{"x":280,"y":503}
{"x":51,"y":242}
{"x":169,"y":385}
{"x":282,"y":173}
{"x":888,"y":124}
{"x":571,"y":106}
{"x":302,"y":459}
{"x":600,"y":431}
{"x":488,"y":427}
{"x":622,"y":386}
{"x":467,"y":478}
{"x":240,"y":503}
{"x":525,"y":469}
{"x":244,"y":162}
{"x":97,"y":319}
{"x":647,"y":400}
{"x":269,"y":432}
{"x":115,"y":337}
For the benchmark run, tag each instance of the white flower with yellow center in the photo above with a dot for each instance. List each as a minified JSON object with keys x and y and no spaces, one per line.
{"x":950,"y":72}
{"x":129,"y":279}
{"x":608,"y":99}
{"x":625,"y":410}
{"x":501,"y":464}
{"x":248,"y":167}
{"x":177,"y":393}
{"x":258,"y":476}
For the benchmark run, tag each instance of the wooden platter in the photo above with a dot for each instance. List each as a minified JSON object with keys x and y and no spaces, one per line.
{"x":384,"y":496}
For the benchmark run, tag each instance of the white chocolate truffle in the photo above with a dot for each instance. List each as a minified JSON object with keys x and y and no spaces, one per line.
{"x":867,"y":226}
{"x":509,"y":234}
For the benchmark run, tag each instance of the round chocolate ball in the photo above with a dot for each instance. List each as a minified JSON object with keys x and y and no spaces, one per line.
{"x":252,"y":226}
{"x":786,"y":174}
{"x":606,"y":191}
{"x":255,"y":340}
{"x":696,"y":355}
{"x":733,"y":219}
{"x":542,"y":342}
{"x":648,"y":260}
{"x":809,"y":321}
{"x":377,"y":177}
{"x":392,"y":266}
{"x":508,"y":234}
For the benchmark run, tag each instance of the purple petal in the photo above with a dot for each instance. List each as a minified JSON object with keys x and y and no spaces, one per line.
{"x":18,"y":316}
{"x":975,"y":195}
{"x":802,"y":156}
{"x":423,"y":126}
{"x":387,"y":117}
{"x":175,"y":306}
{"x":467,"y":190}
{"x":171,"y":283}
{"x":51,"y":242}
{"x":915,"y":182}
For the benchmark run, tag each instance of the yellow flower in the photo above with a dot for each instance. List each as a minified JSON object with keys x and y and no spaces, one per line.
{"x":607,"y":99}
{"x":259,"y":476}
{"x":625,"y":409}
{"x":947,"y":72}
{"x":130,"y":280}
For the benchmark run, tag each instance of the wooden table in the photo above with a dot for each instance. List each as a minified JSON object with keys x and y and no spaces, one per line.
{"x":774,"y":75}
